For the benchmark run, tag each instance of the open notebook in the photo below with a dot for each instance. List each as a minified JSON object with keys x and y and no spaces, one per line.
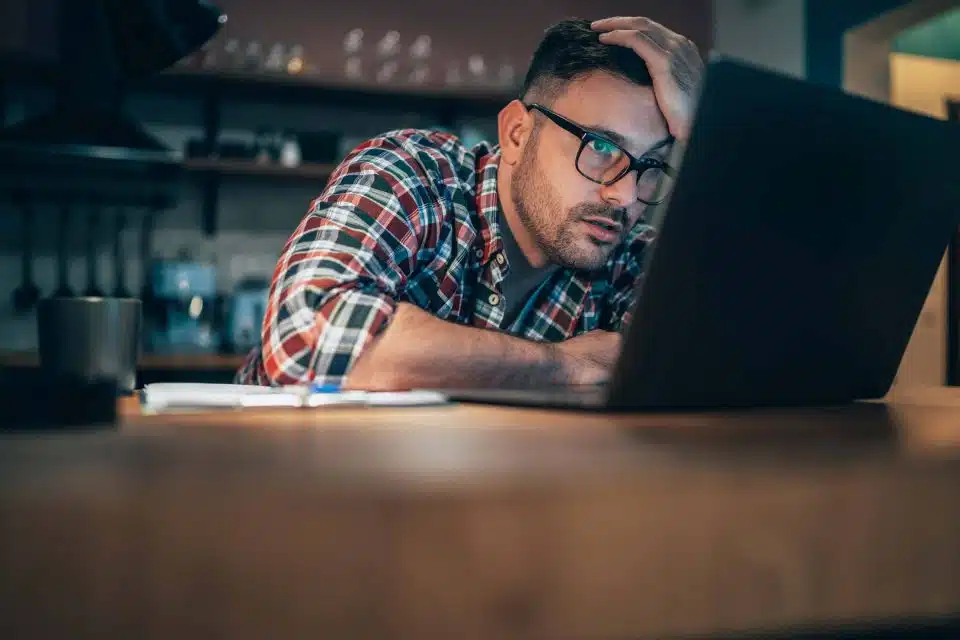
{"x":166,"y":396}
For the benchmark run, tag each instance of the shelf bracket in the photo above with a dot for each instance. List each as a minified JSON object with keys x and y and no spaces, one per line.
{"x":4,"y":102}
{"x":211,"y":202}
{"x":211,"y":182}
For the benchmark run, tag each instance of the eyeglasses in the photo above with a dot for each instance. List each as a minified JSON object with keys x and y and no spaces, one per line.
{"x":603,"y":161}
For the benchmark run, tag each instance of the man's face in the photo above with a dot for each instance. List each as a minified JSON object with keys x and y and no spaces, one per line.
{"x":564,"y":211}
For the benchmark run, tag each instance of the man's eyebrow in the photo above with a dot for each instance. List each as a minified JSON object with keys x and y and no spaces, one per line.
{"x":611,"y":134}
{"x":623,"y":142}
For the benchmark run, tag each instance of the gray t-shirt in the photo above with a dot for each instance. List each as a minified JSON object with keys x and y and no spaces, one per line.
{"x":523,"y":278}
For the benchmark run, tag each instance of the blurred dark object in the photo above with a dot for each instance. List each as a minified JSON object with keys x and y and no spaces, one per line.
{"x":103,"y":44}
{"x":226,"y":149}
{"x":93,"y":289}
{"x":318,"y":147}
{"x":151,"y":35}
{"x":63,"y":255}
{"x":150,"y":304}
{"x":953,"y":283}
{"x":25,"y":296}
{"x":267,"y":146}
{"x":236,"y":149}
{"x":119,"y":263}
{"x":196,"y":148}
{"x":90,"y":340}
{"x":33,"y":402}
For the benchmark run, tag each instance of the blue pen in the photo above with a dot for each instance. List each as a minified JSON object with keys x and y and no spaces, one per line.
{"x":324,"y":388}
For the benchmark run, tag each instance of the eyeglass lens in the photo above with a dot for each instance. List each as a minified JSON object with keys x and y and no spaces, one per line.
{"x":605,"y":162}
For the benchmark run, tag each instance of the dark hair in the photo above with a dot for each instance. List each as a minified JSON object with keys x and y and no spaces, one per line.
{"x":570,"y":49}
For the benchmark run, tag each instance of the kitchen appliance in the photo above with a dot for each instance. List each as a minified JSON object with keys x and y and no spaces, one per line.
{"x":183,"y":301}
{"x":245,"y":314}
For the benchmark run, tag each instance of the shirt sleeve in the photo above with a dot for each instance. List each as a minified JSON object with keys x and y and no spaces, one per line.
{"x":627,"y":272}
{"x":339,"y":277}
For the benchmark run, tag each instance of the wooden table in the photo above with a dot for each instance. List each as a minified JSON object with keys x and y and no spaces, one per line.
{"x":481,"y":522}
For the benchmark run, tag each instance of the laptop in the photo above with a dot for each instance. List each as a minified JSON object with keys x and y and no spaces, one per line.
{"x":793,"y":256}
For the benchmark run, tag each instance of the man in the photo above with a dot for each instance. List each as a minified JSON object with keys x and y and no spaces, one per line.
{"x":428,"y":264}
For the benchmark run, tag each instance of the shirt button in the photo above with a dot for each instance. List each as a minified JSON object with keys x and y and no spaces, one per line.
{"x":494,"y":299}
{"x":500,"y":259}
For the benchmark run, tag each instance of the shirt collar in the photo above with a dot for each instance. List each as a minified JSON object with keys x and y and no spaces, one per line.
{"x":489,"y":211}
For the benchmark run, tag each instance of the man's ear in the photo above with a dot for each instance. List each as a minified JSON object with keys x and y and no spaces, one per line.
{"x":514,"y":125}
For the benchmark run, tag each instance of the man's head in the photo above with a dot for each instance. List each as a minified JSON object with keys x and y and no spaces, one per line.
{"x":604,"y":89}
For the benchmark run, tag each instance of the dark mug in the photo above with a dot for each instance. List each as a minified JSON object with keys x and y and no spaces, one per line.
{"x":90,"y":341}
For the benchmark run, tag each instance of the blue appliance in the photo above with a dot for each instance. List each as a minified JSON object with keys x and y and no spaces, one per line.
{"x":245,"y":315}
{"x":183,"y":317}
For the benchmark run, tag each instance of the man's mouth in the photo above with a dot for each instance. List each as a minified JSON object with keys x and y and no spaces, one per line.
{"x":603,"y":229}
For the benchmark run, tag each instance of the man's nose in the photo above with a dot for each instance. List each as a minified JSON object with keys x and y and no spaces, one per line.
{"x":623,"y":193}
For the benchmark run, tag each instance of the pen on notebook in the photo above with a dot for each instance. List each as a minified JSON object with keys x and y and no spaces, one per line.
{"x":324,"y":388}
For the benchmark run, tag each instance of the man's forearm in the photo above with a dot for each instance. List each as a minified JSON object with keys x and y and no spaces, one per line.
{"x":419,"y":350}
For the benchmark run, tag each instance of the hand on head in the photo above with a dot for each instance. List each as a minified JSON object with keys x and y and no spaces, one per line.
{"x":673,"y":60}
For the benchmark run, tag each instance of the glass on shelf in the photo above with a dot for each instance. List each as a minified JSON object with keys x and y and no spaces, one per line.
{"x":387,"y":71}
{"x":276,"y":58}
{"x":253,"y":56}
{"x":507,"y":75}
{"x":353,"y":68}
{"x":353,"y":42}
{"x":264,"y":146}
{"x":296,"y":63}
{"x":290,"y":150}
{"x":232,"y":55}
{"x":416,"y":67}
{"x":421,"y":47}
{"x":453,"y":76}
{"x":420,"y":74}
{"x":477,"y":69}
{"x":389,"y":45}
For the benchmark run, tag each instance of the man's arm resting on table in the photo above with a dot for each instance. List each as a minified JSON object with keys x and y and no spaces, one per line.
{"x":419,"y":350}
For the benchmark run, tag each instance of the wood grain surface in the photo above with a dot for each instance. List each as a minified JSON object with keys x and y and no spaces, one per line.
{"x":481,"y":522}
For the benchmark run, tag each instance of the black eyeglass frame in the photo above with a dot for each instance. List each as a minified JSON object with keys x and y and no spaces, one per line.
{"x":640,"y":165}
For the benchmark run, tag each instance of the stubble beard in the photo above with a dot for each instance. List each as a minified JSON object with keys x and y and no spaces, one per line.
{"x":536,"y":204}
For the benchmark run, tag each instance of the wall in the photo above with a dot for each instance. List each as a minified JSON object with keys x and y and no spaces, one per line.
{"x":826,"y":23}
{"x":937,"y":38}
{"x":765,"y":32}
{"x":921,"y":84}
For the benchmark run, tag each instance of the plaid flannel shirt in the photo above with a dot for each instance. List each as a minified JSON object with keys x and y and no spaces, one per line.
{"x":413,"y":216}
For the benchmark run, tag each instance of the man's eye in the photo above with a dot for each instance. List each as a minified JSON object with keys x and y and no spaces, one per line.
{"x":602,"y":147}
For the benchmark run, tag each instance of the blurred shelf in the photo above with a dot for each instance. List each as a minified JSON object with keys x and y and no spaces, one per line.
{"x":306,"y":88}
{"x":215,"y":87}
{"x":152,"y":361}
{"x":269,"y":86}
{"x":227,"y":167}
